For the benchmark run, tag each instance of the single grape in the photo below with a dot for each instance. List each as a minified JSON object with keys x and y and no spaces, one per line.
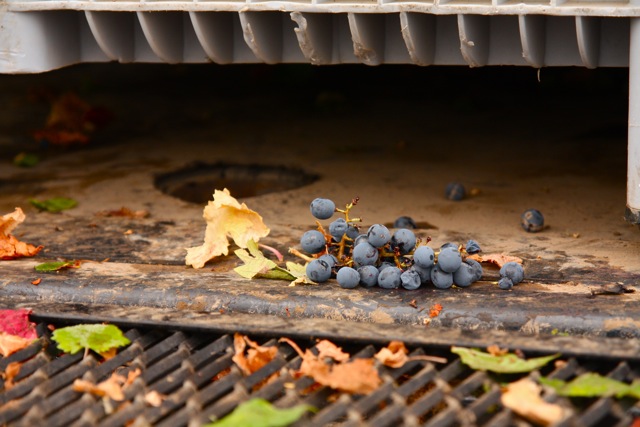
{"x":424,"y":273}
{"x":353,"y":232}
{"x":532,"y":220}
{"x":385,"y":264}
{"x":318,"y":271}
{"x":513,"y":271}
{"x":337,"y":229}
{"x":464,"y":275}
{"x":348,"y":278}
{"x":472,"y":247}
{"x":449,"y":260}
{"x":378,"y":235}
{"x":505,"y":283}
{"x":322,"y":208}
{"x":361,"y":238}
{"x":368,"y":275}
{"x":410,"y":280}
{"x":313,"y":241}
{"x":403,"y":239}
{"x":389,"y":278}
{"x":405,"y":222}
{"x":449,"y":245}
{"x":455,"y":191}
{"x":329,"y":259}
{"x":365,"y":254}
{"x":476,"y":268}
{"x":441,"y":279}
{"x":424,"y":257}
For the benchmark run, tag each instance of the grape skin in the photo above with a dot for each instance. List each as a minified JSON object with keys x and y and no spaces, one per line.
{"x":389,"y":278}
{"x":410,"y":280}
{"x":532,"y":220}
{"x":313,"y":241}
{"x":472,"y":247}
{"x":348,"y":278}
{"x":337,"y":229}
{"x":513,"y":271}
{"x":329,"y":259}
{"x":464,"y":275}
{"x":365,"y":254}
{"x":455,"y":191}
{"x":403,"y":239}
{"x":505,"y":283}
{"x":424,"y":257}
{"x":405,"y":222}
{"x":322,"y":208}
{"x":449,"y":260}
{"x":378,"y":235}
{"x":368,"y":275}
{"x":318,"y":271}
{"x":424,"y":273}
{"x":441,"y":279}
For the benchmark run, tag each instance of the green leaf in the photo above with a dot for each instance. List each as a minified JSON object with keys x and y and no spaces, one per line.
{"x":48,"y":267}
{"x":257,"y":265}
{"x":99,"y":338}
{"x":297,"y":270}
{"x":506,"y":364}
{"x":261,"y":413}
{"x":592,"y":385}
{"x":55,"y":204}
{"x":26,"y":160}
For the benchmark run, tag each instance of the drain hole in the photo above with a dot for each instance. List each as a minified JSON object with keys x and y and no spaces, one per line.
{"x":195,"y":183}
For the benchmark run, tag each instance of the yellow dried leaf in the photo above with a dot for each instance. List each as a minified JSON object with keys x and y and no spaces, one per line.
{"x":328,"y":349}
{"x":226,"y":217}
{"x":111,"y":387}
{"x":257,"y":356}
{"x":154,"y":398}
{"x":523,"y":398}
{"x":11,"y":371}
{"x":10,"y":247}
{"x":394,"y":355}
{"x":9,"y":344}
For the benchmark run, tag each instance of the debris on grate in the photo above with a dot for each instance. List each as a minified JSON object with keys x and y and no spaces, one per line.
{"x":189,"y":378}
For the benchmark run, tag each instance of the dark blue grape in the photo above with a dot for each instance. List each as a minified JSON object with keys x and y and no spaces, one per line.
{"x":368,"y":275}
{"x":532,"y":220}
{"x":472,"y":247}
{"x":329,"y":259}
{"x":348,"y":278}
{"x":424,"y":257}
{"x":318,"y":271}
{"x":449,"y":245}
{"x":385,"y":264}
{"x":378,"y":235}
{"x":365,"y":254}
{"x":403,"y":239}
{"x":389,"y":278}
{"x":449,"y":260}
{"x":464,"y":276}
{"x":505,"y":283}
{"x":405,"y":222}
{"x":410,"y":280}
{"x":361,"y":238}
{"x":322,"y":208}
{"x":424,"y":273}
{"x":455,"y":191}
{"x":337,"y":229}
{"x":476,"y":268}
{"x":441,"y":279}
{"x":353,"y":232}
{"x":313,"y":241}
{"x":513,"y":271}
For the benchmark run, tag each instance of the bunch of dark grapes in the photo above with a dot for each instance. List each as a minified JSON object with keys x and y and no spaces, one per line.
{"x":379,"y":257}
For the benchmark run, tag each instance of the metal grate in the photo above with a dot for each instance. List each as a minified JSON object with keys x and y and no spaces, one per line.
{"x":195,"y":372}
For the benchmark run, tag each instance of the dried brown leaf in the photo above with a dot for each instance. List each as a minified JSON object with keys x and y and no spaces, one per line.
{"x":256,"y":357}
{"x":10,"y":247}
{"x":435,"y":310}
{"x":328,"y":349}
{"x":358,"y":376}
{"x":226,"y":217}
{"x":11,"y":371}
{"x":394,"y":355}
{"x":124,"y":212}
{"x":497,"y":259}
{"x":155,"y":399}
{"x":523,"y":397}
{"x":111,"y":387}
{"x":131,"y":376}
{"x":9,"y":344}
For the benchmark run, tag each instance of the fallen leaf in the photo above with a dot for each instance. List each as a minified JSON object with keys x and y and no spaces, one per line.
{"x":109,"y":354}
{"x":395,"y":355}
{"x":298,"y":270}
{"x":495,"y":350}
{"x":413,"y":303}
{"x":36,"y":282}
{"x":132,"y":375}
{"x":10,"y":247}
{"x":111,"y":387}
{"x":124,"y":212}
{"x":257,"y":356}
{"x":497,"y":259}
{"x":257,"y":265}
{"x":26,"y":160}
{"x":155,"y":399}
{"x":523,"y":397}
{"x":99,"y":338}
{"x":303,"y":280}
{"x":225,"y":218}
{"x":435,"y":310}
{"x":16,"y":322}
{"x":48,"y":267}
{"x":592,"y":385}
{"x":10,"y":344}
{"x":261,"y":413}
{"x":506,"y":364}
{"x":10,"y":373}
{"x":328,"y":349}
{"x":55,"y":204}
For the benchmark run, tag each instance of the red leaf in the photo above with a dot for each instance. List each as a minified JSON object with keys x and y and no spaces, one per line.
{"x":16,"y":322}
